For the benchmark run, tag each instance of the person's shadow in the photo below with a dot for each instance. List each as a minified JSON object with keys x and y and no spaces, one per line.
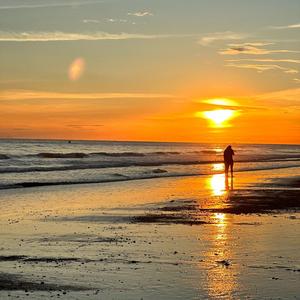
{"x":228,"y":188}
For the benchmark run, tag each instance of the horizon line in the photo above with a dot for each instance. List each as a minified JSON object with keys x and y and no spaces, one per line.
{"x":141,"y":141}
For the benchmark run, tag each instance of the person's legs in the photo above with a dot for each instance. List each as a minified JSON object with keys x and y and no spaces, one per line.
{"x":226,"y":167}
{"x":231,"y":168}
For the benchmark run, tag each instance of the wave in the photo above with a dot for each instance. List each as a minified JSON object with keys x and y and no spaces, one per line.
{"x":60,"y":155}
{"x":262,"y":168}
{"x":101,"y":165}
{"x":207,"y":152}
{"x":204,"y":155}
{"x":118,"y":178}
{"x":119,"y":154}
{"x":92,"y":154}
{"x":126,"y":164}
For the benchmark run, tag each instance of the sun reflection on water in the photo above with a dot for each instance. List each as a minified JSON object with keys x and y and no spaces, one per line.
{"x":218,"y":167}
{"x":217,"y":185}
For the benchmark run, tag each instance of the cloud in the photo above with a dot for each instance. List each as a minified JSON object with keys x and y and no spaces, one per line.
{"x":292,"y":26}
{"x":261,"y":64}
{"x":225,"y":103}
{"x":109,"y":20}
{"x":67,"y":36}
{"x":42,"y":95}
{"x":297,"y":80}
{"x":140,"y":14}
{"x":292,"y":61}
{"x":252,"y":48}
{"x":90,"y":21}
{"x":47,"y":5}
{"x":262,"y":67}
{"x":116,"y":20}
{"x":220,"y":36}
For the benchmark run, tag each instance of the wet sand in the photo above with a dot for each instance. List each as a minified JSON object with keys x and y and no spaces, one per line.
{"x":169,"y":238}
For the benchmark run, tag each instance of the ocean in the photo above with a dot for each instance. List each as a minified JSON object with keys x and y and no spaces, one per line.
{"x":28,"y":163}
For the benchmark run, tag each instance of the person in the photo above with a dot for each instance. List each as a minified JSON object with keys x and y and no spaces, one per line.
{"x":228,"y":159}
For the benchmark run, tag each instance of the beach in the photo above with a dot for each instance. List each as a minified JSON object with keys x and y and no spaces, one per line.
{"x":191,"y":237}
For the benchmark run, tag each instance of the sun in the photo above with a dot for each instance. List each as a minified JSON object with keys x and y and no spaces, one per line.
{"x":219,"y":117}
{"x":223,"y":110}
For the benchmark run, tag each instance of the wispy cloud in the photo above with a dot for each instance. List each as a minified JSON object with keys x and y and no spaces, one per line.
{"x":292,"y":61}
{"x":211,"y":104}
{"x":90,"y":21}
{"x":111,"y":20}
{"x":40,"y":95}
{"x":297,"y":80}
{"x":140,"y":14}
{"x":108,"y":20}
{"x":67,"y":36}
{"x":263,"y":67}
{"x":220,"y":36}
{"x":47,"y":5}
{"x":292,"y":26}
{"x":253,"y":49}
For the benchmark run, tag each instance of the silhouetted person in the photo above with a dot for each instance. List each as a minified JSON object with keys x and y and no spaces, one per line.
{"x":228,"y":160}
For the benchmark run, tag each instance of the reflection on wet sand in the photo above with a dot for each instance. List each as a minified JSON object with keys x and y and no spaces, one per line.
{"x":221,"y":275}
{"x":216,"y":184}
{"x":219,"y":184}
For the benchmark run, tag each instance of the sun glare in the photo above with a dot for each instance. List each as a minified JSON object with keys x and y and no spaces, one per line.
{"x":76,"y":69}
{"x":218,"y":117}
{"x":223,"y":112}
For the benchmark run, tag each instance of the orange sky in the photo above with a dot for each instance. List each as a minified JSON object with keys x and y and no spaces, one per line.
{"x":154,"y":119}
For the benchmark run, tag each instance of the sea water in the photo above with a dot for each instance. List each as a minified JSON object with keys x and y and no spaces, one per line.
{"x":26,"y":163}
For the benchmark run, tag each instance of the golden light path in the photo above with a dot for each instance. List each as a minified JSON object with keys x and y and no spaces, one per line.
{"x":217,"y":184}
{"x":221,"y":281}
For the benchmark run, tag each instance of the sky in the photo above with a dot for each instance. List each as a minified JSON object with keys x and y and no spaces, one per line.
{"x":223,"y":71}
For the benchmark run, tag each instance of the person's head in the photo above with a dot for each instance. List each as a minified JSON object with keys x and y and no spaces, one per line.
{"x":228,"y":147}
